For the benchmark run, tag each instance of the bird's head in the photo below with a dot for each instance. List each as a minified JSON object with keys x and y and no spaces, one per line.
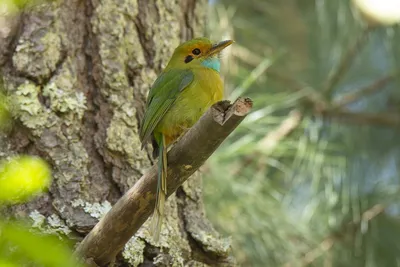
{"x":198,"y":52}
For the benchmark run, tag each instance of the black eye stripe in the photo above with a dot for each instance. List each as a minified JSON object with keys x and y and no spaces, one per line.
{"x":196,"y":51}
{"x":188,"y":58}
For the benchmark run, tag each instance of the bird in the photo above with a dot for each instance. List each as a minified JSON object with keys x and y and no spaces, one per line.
{"x":185,"y":89}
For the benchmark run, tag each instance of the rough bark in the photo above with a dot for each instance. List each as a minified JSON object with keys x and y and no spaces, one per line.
{"x":78,"y":73}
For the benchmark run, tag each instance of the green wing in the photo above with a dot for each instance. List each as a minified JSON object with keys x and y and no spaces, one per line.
{"x":162,"y":96}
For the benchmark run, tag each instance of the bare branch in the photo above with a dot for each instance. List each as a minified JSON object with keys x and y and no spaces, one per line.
{"x":312,"y":95}
{"x":246,"y":55}
{"x":370,"y":89}
{"x":384,"y":119}
{"x":346,"y":61}
{"x":272,"y":139}
{"x":110,"y":235}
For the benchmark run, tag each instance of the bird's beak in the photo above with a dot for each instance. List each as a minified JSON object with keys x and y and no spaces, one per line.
{"x":218,"y":47}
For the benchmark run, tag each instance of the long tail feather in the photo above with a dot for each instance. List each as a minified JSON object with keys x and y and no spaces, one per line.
{"x":158,"y":214}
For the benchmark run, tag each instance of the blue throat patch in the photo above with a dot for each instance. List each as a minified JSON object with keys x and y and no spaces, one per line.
{"x":212,"y":63}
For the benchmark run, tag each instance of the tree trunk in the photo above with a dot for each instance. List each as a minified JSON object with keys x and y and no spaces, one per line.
{"x":79,"y":72}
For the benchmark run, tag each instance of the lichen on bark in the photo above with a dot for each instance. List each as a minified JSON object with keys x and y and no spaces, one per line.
{"x":78,"y":73}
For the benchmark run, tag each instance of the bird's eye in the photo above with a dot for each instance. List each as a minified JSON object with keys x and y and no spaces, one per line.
{"x":196,"y":51}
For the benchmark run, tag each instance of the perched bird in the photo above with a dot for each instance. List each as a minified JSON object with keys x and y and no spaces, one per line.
{"x":185,"y":89}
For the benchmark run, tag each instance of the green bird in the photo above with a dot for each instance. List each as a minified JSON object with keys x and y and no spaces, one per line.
{"x":185,"y":89}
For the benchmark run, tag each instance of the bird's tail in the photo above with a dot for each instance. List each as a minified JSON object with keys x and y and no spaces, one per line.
{"x":158,"y":214}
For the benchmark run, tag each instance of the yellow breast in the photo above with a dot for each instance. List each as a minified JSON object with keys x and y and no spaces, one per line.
{"x":205,"y":90}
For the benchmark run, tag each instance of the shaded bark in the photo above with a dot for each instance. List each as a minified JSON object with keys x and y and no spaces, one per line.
{"x":78,"y":73}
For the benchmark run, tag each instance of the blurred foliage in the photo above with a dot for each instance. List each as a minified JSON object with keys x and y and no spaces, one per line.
{"x":20,"y":246}
{"x":22,"y":178}
{"x":311,"y":177}
{"x":12,"y":6}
